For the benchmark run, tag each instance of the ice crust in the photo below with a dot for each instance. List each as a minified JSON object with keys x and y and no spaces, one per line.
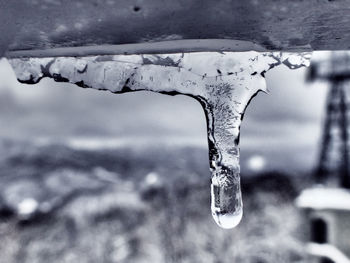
{"x":224,"y":83}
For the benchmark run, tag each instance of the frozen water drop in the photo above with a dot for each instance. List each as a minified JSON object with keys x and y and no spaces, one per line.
{"x":227,"y":205}
{"x":228,"y":220}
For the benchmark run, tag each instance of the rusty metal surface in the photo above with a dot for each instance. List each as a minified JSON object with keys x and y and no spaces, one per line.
{"x":268,"y":24}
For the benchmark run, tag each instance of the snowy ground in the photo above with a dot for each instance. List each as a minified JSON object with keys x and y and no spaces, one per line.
{"x":135,"y":204}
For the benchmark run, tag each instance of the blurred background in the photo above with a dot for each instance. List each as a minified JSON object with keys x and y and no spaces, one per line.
{"x":89,"y":176}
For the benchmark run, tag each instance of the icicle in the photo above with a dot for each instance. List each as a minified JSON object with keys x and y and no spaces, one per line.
{"x":224,"y":83}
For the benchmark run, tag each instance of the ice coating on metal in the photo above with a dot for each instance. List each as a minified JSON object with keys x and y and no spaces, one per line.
{"x":223,"y":83}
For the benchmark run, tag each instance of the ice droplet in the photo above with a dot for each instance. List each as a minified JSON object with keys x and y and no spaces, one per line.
{"x":224,"y":83}
{"x":226,"y":204}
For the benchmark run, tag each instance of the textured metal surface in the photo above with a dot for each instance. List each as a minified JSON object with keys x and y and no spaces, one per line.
{"x":270,"y":24}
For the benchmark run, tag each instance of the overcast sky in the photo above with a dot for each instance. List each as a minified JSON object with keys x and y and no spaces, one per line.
{"x":283,"y":127}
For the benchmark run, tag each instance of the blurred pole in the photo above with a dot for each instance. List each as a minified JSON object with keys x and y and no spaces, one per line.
{"x":322,"y":171}
{"x":344,"y":171}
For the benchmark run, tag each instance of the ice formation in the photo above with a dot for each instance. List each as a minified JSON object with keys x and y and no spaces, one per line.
{"x":224,"y":83}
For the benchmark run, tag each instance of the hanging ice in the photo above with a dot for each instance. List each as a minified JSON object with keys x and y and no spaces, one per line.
{"x":223,"y":83}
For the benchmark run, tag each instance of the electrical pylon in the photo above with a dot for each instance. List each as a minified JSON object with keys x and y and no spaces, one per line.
{"x":334,"y":155}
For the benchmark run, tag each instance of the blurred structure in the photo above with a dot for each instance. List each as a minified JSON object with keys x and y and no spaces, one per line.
{"x":327,"y":212}
{"x":334,"y":155}
{"x":327,"y":209}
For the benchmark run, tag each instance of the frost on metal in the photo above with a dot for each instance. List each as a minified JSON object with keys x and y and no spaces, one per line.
{"x":223,"y":83}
